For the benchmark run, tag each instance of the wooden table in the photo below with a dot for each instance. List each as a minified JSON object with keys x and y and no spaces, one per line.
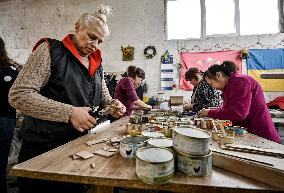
{"x":117,"y":171}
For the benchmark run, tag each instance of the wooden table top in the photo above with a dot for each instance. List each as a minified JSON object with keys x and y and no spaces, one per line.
{"x":118,"y":171}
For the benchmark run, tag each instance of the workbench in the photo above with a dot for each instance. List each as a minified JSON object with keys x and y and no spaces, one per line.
{"x":117,"y":171}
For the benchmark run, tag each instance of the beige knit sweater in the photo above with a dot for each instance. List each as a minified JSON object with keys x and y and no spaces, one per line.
{"x":24,"y":94}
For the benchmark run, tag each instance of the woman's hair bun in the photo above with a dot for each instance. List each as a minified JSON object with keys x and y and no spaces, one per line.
{"x":102,"y":12}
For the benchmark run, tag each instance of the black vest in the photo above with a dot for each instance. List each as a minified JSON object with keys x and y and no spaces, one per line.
{"x":70,"y":83}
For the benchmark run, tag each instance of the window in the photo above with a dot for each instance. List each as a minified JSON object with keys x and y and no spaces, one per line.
{"x":183,"y":19}
{"x":220,"y":19}
{"x":205,"y":18}
{"x":259,"y":17}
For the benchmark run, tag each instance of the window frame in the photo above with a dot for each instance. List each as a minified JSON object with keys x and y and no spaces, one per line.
{"x":236,"y":22}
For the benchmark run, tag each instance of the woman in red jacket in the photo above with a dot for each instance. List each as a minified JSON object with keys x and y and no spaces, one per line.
{"x":243,"y":101}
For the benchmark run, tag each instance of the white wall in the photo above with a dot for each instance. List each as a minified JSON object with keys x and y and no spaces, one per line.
{"x":134,"y":22}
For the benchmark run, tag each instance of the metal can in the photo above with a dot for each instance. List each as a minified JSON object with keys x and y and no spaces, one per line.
{"x":215,"y":135}
{"x":167,"y":131}
{"x":240,"y":131}
{"x":145,"y":119}
{"x":197,"y":122}
{"x":135,"y":119}
{"x":203,"y":124}
{"x":192,"y":165}
{"x":209,"y":124}
{"x":129,"y":127}
{"x":155,"y":165}
{"x":230,"y":131}
{"x":136,"y":127}
{"x":129,"y":145}
{"x":191,"y":141}
{"x":223,"y":140}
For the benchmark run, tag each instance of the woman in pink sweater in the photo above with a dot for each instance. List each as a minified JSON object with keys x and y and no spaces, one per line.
{"x":243,"y":101}
{"x":125,"y":90}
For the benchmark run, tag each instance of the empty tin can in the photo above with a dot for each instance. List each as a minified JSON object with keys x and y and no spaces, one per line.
{"x":215,"y":135}
{"x":191,"y":141}
{"x":223,"y":140}
{"x":154,"y":165}
{"x":197,"y":122}
{"x":129,"y":145}
{"x":129,"y":127}
{"x":167,"y":131}
{"x":193,"y":165}
{"x":203,"y":124}
{"x":238,"y":130}
{"x":135,"y":119}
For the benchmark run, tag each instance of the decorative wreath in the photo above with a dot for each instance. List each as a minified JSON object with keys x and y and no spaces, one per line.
{"x":150,"y":52}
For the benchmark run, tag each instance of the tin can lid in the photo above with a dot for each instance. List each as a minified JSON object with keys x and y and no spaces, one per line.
{"x":154,"y":154}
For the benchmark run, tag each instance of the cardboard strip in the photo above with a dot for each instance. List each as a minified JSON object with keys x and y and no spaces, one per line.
{"x":262,"y":173}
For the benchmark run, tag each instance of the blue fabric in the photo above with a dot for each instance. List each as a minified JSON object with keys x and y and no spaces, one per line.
{"x":265,"y":59}
{"x":7,"y":127}
{"x":166,"y":88}
{"x":167,"y":79}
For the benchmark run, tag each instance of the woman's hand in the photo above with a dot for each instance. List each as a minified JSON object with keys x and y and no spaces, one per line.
{"x":119,"y":110}
{"x":188,"y":106}
{"x":203,"y":113}
{"x":148,"y":106}
{"x":81,"y":119}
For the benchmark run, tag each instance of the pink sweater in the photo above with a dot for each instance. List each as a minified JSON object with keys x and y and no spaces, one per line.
{"x":244,"y":104}
{"x":126,"y":94}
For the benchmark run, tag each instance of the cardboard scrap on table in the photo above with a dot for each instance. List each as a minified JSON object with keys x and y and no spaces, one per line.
{"x":84,"y":154}
{"x":115,"y":140}
{"x":93,"y":165}
{"x":104,"y":153}
{"x":96,"y":141}
{"x":74,"y":157}
{"x":110,"y":149}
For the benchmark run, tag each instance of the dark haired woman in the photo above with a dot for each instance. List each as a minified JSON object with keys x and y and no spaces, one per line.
{"x":203,"y":95}
{"x":243,"y":101}
{"x":125,"y":89}
{"x":8,"y":73}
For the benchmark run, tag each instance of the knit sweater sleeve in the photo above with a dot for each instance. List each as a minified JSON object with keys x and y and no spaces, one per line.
{"x":238,"y":101}
{"x":25,"y":94}
{"x":106,"y":98}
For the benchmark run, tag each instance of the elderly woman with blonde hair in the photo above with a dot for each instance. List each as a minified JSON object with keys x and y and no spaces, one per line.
{"x":56,"y":88}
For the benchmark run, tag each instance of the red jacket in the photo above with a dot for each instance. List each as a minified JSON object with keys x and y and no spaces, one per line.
{"x":278,"y":102}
